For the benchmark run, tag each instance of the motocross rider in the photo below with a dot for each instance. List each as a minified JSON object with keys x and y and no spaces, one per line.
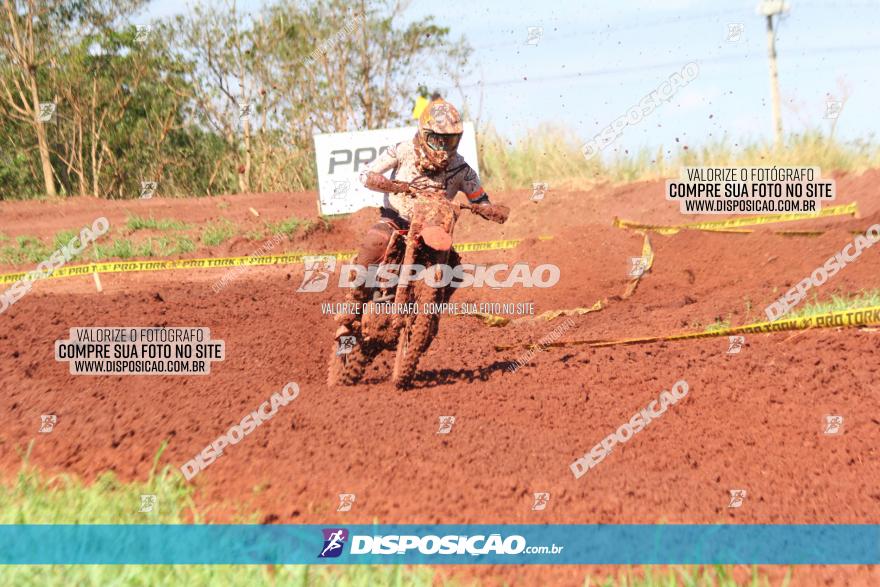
{"x":429,"y":160}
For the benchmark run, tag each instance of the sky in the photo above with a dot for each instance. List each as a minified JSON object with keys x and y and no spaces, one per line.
{"x":595,"y":60}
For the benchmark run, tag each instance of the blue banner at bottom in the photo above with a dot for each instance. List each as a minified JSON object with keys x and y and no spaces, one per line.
{"x":441,"y":544}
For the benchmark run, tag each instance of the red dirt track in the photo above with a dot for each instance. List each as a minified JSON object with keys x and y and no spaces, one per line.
{"x":751,"y":421}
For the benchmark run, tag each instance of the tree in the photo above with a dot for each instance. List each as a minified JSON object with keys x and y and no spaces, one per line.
{"x":212,"y":102}
{"x":222,"y":50}
{"x":301,"y":70}
{"x":25,"y":36}
{"x":340,"y":68}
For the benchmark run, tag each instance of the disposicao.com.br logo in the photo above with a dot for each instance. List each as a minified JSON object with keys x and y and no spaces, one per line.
{"x":316,"y":276}
{"x":400,"y":544}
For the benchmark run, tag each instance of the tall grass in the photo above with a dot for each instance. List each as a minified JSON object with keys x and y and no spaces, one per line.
{"x":546,"y":154}
{"x":553,"y":154}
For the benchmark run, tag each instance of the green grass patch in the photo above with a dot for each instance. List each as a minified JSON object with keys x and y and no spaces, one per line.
{"x":231,"y":575}
{"x":286,"y":227}
{"x":185,"y":245}
{"x":692,"y":576}
{"x":122,"y":249}
{"x":25,"y":249}
{"x":322,"y":224}
{"x":31,"y":250}
{"x":167,"y":246}
{"x":718,"y":325}
{"x":163,"y":246}
{"x":217,"y":233}
{"x":854,"y":301}
{"x":257,"y":234}
{"x":65,"y":499}
{"x":290,"y":226}
{"x":135,"y":223}
{"x":64,"y":237}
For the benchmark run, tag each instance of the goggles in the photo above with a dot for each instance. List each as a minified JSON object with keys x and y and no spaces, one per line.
{"x":441,"y":142}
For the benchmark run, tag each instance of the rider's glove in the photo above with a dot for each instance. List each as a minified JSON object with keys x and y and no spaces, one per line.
{"x":380,"y":183}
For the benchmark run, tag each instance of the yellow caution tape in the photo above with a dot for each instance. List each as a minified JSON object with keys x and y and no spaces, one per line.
{"x":496,"y":320}
{"x":488,"y":319}
{"x":553,"y":314}
{"x":487,"y":245}
{"x":166,"y":265}
{"x":494,"y":245}
{"x":647,"y":253}
{"x":869,"y":316}
{"x":723,"y":225}
{"x":227,"y":262}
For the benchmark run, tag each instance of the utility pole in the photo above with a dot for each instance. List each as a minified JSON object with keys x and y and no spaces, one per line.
{"x":771,"y":8}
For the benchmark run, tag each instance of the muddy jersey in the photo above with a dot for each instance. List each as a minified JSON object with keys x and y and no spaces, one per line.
{"x":401,"y":160}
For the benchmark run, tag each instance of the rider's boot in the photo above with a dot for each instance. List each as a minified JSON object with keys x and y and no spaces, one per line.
{"x":355,"y":298}
{"x":372,"y":251}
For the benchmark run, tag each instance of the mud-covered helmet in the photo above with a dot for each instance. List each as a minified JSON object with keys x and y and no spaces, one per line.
{"x":440,"y":131}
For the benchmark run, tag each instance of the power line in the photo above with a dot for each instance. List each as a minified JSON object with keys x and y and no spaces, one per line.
{"x":638,"y":69}
{"x":608,"y":29}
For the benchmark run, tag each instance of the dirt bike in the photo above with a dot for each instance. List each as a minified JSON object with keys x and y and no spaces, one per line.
{"x":427,"y":242}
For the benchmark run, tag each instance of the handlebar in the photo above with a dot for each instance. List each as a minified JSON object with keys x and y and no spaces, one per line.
{"x":493,"y":212}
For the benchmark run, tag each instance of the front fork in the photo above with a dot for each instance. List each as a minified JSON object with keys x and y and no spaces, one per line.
{"x":391,"y":256}
{"x":401,"y":294}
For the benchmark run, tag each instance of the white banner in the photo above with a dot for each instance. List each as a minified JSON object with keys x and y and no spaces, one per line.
{"x":342,"y":156}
